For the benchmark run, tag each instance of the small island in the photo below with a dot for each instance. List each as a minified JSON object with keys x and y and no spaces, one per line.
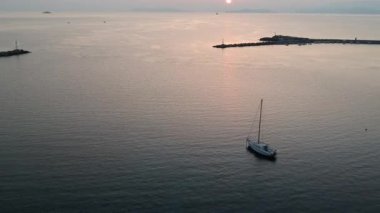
{"x":16,"y":51}
{"x":291,"y":40}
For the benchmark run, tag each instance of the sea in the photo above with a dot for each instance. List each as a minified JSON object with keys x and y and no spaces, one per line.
{"x":137,"y":112}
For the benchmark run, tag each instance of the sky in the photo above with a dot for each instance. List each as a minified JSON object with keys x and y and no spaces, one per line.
{"x":340,"y":6}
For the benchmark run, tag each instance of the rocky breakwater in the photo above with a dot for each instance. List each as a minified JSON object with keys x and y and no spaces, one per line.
{"x":13,"y":52}
{"x":291,"y":40}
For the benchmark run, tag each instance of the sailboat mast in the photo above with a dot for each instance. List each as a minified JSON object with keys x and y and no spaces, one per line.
{"x":261,"y":109}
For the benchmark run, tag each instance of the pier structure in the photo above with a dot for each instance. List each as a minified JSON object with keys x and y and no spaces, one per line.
{"x":291,"y":40}
{"x":16,"y":51}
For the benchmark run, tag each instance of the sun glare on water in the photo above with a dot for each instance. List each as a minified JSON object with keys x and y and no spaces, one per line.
{"x":228,"y":1}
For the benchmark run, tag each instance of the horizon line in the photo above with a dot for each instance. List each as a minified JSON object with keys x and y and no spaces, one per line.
{"x":170,"y":10}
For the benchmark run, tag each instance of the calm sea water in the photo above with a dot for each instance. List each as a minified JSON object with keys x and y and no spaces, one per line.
{"x":139,"y":113}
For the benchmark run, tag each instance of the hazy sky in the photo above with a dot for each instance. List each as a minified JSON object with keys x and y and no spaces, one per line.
{"x":363,"y":6}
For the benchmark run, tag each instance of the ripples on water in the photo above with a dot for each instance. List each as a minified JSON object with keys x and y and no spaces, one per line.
{"x":141,"y":114}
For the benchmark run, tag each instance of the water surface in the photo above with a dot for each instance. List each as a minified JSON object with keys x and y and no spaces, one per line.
{"x":139,"y":113}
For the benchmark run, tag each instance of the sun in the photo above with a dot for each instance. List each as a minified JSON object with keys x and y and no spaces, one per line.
{"x":228,"y":1}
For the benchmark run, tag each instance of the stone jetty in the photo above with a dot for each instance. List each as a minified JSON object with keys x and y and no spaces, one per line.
{"x":13,"y":52}
{"x":291,"y":40}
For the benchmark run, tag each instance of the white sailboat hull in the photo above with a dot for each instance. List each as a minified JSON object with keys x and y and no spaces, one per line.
{"x":261,"y":148}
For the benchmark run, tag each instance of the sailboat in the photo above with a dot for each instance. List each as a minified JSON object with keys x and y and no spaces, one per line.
{"x":257,"y":145}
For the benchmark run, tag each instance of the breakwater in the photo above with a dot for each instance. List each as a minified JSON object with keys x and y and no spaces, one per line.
{"x":13,"y":52}
{"x":291,"y":40}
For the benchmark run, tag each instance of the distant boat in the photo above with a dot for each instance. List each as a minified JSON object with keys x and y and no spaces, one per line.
{"x":258,"y":146}
{"x":46,"y":12}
